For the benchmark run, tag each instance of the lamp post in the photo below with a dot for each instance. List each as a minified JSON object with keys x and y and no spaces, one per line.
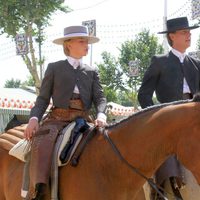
{"x":91,"y":25}
{"x":134,"y":72}
{"x":40,"y":51}
{"x":165,"y":44}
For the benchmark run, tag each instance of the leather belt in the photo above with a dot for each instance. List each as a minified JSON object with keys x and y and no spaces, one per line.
{"x":75,"y":96}
{"x":187,"y":96}
{"x":76,"y":104}
{"x":67,"y":114}
{"x":76,"y":109}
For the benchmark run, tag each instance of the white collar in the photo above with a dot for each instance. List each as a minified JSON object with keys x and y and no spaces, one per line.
{"x":74,"y":62}
{"x":180,"y":55}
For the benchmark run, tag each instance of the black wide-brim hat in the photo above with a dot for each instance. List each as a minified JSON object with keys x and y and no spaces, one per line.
{"x":176,"y":24}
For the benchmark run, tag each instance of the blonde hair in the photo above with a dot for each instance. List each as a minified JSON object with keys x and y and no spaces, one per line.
{"x":65,"y":47}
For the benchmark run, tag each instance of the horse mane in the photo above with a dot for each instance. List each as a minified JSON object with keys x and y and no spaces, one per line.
{"x":196,"y":98}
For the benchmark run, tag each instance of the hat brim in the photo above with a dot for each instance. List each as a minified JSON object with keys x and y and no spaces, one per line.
{"x":91,"y":39}
{"x":183,"y":28}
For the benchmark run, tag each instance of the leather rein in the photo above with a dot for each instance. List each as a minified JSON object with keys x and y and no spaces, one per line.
{"x":155,"y":186}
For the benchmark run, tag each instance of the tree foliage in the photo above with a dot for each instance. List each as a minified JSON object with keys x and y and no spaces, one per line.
{"x":198,"y":43}
{"x":17,"y":15}
{"x":12,"y":83}
{"x":142,"y":48}
{"x":115,"y":73}
{"x":110,"y":76}
{"x":31,"y":18}
{"x":29,"y":82}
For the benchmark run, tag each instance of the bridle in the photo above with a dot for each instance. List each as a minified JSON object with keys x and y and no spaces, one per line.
{"x":155,"y":186}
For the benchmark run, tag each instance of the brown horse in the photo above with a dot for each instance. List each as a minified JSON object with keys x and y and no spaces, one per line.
{"x":145,"y":140}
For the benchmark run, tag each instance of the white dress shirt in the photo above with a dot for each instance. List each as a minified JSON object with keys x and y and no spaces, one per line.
{"x":75,"y":63}
{"x":181,"y":57}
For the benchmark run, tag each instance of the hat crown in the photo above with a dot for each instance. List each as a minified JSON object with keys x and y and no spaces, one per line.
{"x":177,"y":23}
{"x":76,"y":30}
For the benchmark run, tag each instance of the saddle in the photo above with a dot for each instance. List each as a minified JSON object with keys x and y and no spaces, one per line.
{"x":80,"y":127}
{"x":81,"y":133}
{"x":72,"y":135}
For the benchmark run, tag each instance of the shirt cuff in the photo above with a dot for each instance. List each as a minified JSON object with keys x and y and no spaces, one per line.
{"x":101,"y":116}
{"x":33,"y":118}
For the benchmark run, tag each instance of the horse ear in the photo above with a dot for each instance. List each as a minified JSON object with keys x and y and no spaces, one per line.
{"x":12,"y":123}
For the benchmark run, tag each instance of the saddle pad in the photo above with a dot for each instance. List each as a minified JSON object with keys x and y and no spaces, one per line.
{"x":66,"y":132}
{"x":62,"y":142}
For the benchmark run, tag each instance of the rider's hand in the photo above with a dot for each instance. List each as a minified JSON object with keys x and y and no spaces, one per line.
{"x":100,"y":122}
{"x":32,"y":127}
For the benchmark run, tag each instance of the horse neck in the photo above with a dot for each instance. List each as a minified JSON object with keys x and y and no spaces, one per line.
{"x":146,"y":141}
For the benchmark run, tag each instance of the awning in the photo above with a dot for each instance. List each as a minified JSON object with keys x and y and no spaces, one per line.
{"x":119,"y":110}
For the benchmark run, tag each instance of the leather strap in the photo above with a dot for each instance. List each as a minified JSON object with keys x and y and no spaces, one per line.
{"x":67,"y":114}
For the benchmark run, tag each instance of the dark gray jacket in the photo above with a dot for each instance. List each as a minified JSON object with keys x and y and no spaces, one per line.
{"x":165,"y":77}
{"x":59,"y":82}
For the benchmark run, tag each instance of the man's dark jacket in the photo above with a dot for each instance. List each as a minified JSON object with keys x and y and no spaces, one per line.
{"x":165,"y":77}
{"x":59,"y":82}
